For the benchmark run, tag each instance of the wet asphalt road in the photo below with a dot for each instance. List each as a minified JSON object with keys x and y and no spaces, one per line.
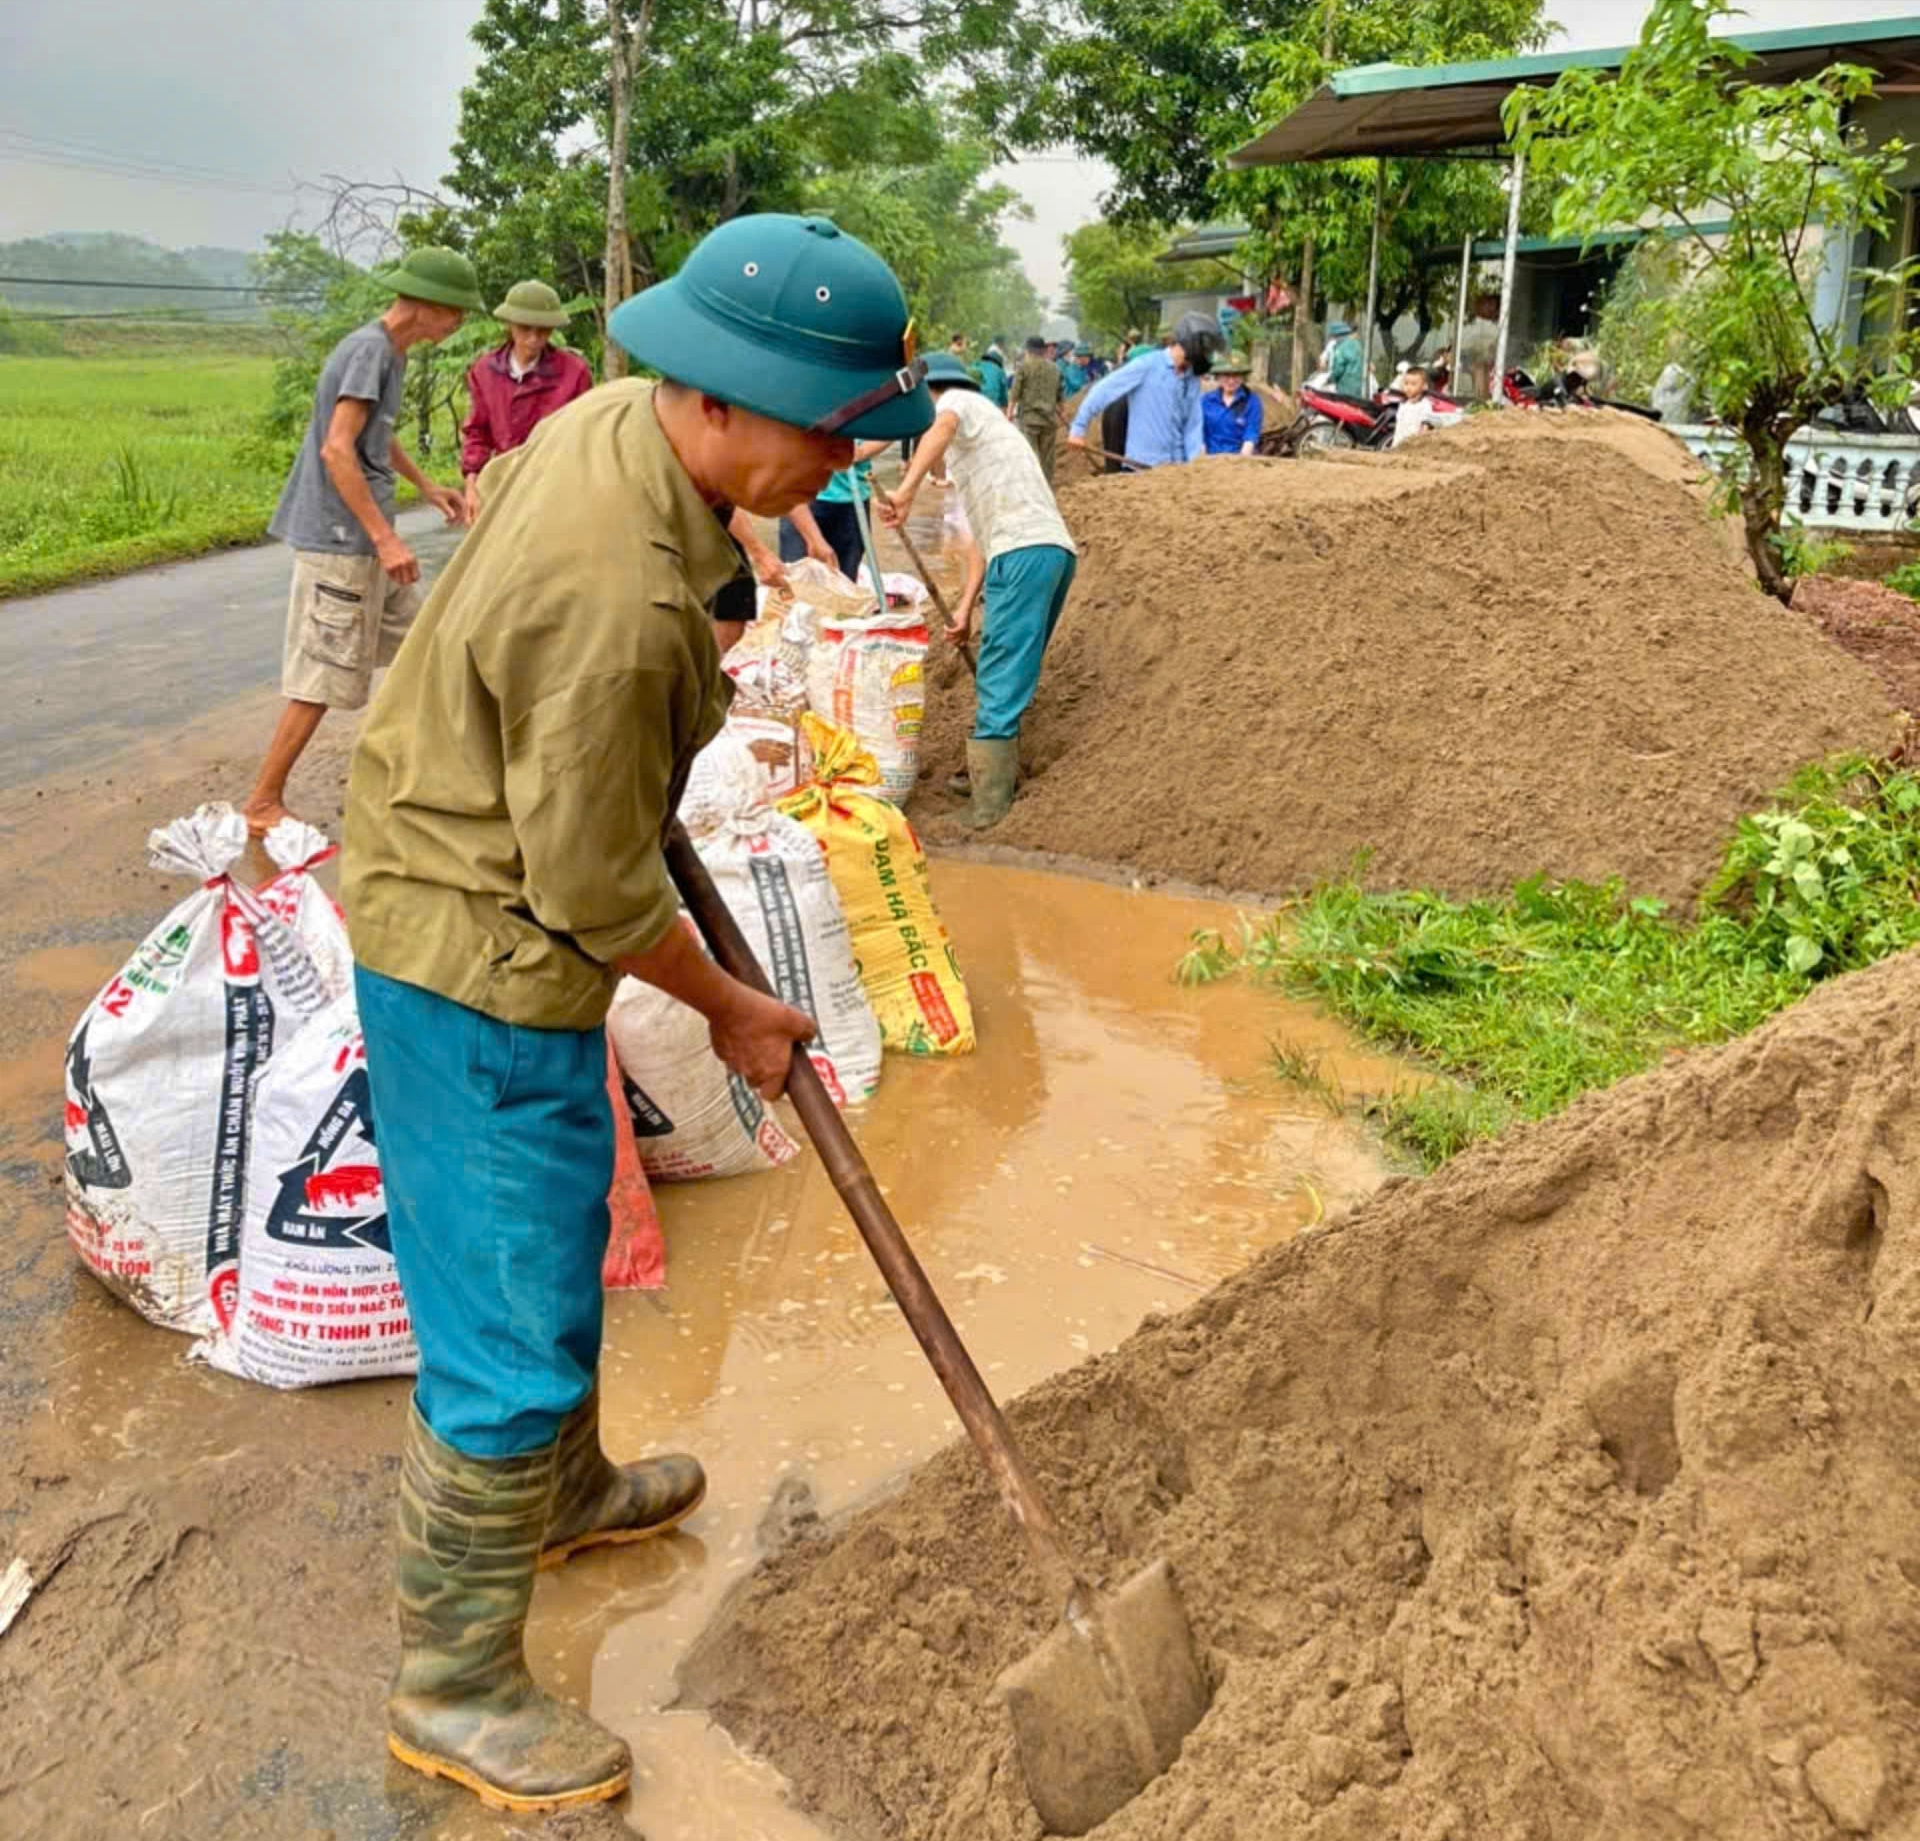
{"x":86,"y":671}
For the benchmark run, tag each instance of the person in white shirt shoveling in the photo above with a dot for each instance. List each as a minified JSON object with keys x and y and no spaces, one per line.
{"x":1021,"y":555}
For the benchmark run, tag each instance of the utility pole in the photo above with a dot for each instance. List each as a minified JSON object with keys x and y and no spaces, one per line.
{"x":1496,"y":390}
{"x":1303,"y":295}
{"x":626,"y":45}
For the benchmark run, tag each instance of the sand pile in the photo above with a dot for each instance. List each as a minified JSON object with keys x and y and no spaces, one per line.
{"x":1877,"y":624}
{"x":1514,"y":646}
{"x":1574,"y":1491}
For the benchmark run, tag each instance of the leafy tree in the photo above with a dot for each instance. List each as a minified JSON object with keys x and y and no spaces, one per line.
{"x":320,"y":297}
{"x":1678,"y":131}
{"x":937,"y":224}
{"x":1112,"y":277}
{"x":737,"y":106}
{"x":1163,"y":93}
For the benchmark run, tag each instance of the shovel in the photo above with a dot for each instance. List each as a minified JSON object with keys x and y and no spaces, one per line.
{"x":939,"y":600}
{"x":1102,"y":1706}
{"x":1102,"y":458}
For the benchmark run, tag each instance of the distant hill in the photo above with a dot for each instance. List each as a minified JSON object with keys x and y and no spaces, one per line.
{"x":58,"y":268}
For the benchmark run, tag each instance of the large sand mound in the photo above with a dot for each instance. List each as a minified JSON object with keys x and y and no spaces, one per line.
{"x":1515,"y":646}
{"x":1574,"y":1491}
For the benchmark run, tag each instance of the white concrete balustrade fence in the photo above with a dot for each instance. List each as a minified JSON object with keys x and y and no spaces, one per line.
{"x":1835,"y":481}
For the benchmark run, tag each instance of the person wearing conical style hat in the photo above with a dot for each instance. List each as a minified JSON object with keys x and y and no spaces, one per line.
{"x":522,"y":381}
{"x":355,"y":582}
{"x":504,"y":868}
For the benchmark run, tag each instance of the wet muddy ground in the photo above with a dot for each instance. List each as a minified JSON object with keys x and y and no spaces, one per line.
{"x":206,"y":1649}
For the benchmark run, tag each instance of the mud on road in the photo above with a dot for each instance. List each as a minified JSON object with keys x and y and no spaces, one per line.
{"x":207,"y":1648}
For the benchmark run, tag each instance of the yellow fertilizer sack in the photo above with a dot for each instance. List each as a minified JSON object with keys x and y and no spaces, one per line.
{"x":905,"y":959}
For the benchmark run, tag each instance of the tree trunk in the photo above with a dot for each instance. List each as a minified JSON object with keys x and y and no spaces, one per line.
{"x":1300,"y":358}
{"x":625,"y":44}
{"x":1762,"y":494}
{"x":423,"y":414}
{"x":1303,"y":295}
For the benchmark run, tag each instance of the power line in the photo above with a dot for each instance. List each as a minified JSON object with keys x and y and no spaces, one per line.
{"x":92,"y":149}
{"x":171,"y":287}
{"x":129,"y":313}
{"x":31,"y":151}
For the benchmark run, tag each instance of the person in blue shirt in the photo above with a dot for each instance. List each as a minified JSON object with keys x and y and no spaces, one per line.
{"x":993,"y":372}
{"x":1232,"y":413}
{"x":1073,"y":369}
{"x":1348,"y":364}
{"x":1165,"y":423}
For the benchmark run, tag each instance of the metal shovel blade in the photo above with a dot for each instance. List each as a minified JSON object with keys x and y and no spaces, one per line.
{"x":1102,"y":1707}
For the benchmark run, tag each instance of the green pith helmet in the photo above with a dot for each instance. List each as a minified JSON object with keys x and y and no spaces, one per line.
{"x":531,"y":303}
{"x":789,"y":317}
{"x":944,"y":369}
{"x":1140,"y":351}
{"x":1234,"y":364}
{"x":443,"y":276}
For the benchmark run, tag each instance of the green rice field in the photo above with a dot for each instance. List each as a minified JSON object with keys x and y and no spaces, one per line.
{"x":119,"y":453}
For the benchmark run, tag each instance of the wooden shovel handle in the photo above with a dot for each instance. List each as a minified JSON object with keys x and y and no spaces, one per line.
{"x":939,"y":600}
{"x":916,"y":1297}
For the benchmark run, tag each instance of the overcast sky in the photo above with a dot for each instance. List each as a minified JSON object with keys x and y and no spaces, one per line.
{"x":190,"y":123}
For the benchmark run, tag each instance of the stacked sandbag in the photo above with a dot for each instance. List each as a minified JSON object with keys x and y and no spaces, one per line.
{"x":905,"y":959}
{"x":161,"y":1066}
{"x":775,"y":881}
{"x":636,"y":1256}
{"x":769,"y":698}
{"x":691,"y":1116}
{"x":319,"y":1297}
{"x":865,"y":675}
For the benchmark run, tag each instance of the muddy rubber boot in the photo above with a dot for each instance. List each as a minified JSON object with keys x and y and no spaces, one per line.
{"x":994,"y":769}
{"x":463,"y":1705}
{"x":596,"y":1501}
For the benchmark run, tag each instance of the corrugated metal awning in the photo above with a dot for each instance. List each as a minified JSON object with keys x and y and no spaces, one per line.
{"x":1395,"y":109}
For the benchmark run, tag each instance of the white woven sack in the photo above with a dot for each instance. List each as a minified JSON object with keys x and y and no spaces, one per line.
{"x":319,"y":1295}
{"x":162,"y":1063}
{"x":773,"y":877}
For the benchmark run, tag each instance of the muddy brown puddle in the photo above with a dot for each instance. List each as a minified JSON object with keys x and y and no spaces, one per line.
{"x":1117,"y":1144}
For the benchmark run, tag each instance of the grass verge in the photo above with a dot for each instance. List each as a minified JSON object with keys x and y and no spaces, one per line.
{"x":1559,"y":988}
{"x":124,"y":451}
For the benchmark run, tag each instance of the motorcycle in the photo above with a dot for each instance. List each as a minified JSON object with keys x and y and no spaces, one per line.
{"x":1569,"y":390}
{"x":1328,"y":420}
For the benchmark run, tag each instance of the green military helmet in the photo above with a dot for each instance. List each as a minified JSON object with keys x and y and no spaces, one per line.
{"x":789,"y":317}
{"x":1234,"y":364}
{"x":948,"y":371}
{"x":531,"y":303}
{"x":443,"y":276}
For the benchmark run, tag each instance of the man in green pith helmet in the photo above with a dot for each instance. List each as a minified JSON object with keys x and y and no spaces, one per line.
{"x":521,"y":382}
{"x":355,"y":582}
{"x":503,"y":869}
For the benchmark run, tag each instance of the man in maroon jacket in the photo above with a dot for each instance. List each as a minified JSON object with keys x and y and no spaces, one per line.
{"x":518,"y":383}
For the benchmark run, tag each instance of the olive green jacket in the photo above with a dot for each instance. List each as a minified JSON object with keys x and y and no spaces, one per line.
{"x":1035,"y":392}
{"x":518,"y":768}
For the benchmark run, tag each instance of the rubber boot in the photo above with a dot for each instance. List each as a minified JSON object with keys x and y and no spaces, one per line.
{"x":994,"y":769}
{"x":463,"y":1705}
{"x":596,"y":1501}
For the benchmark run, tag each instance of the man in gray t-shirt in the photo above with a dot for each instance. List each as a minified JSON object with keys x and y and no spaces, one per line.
{"x":355,"y":582}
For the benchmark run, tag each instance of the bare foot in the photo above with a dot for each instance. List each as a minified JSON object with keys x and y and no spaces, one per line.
{"x":262,"y":815}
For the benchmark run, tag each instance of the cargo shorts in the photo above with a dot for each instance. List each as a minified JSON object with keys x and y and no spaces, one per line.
{"x":345,"y":617}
